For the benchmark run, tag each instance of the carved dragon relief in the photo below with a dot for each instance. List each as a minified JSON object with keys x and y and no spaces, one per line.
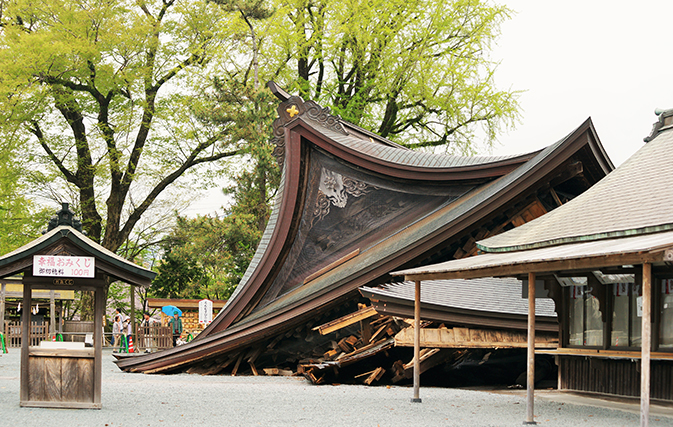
{"x":295,"y":107}
{"x":334,"y":189}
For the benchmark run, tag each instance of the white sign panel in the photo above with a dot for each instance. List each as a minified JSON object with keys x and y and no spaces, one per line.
{"x":205,"y":311}
{"x":639,"y":306}
{"x":64,"y":266}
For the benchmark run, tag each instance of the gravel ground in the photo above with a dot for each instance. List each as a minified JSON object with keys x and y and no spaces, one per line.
{"x":194,"y":400}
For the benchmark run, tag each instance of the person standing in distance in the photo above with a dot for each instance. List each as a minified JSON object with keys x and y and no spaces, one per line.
{"x":176,"y":327}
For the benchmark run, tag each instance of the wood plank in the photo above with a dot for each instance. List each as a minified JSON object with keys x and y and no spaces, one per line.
{"x":379,"y":332}
{"x":253,"y":369}
{"x":332,"y":266}
{"x":71,"y":382}
{"x":375,"y":376}
{"x":35,"y":383}
{"x":473,"y":338}
{"x":238,"y":362}
{"x":609,"y":354}
{"x":461,"y":335}
{"x":52,"y":379}
{"x":366,"y":331}
{"x":365,"y":374}
{"x":277,"y":371}
{"x":346,"y":320}
{"x":345,"y":346}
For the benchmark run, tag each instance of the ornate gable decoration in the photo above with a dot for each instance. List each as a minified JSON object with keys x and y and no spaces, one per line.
{"x":290,"y":110}
{"x":333,"y":189}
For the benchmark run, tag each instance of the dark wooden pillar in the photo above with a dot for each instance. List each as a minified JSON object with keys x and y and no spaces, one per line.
{"x":646,"y":346}
{"x":133,"y":310}
{"x":530,"y":383}
{"x":417,"y":343}
{"x":99,"y":310}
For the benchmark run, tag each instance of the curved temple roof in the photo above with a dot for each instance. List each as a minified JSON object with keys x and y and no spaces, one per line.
{"x":352,"y":207}
{"x":634,"y":199}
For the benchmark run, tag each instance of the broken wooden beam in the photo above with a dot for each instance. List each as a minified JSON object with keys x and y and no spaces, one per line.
{"x":473,"y":338}
{"x":238,"y":363}
{"x":375,"y":376}
{"x":277,"y":371}
{"x":346,"y":320}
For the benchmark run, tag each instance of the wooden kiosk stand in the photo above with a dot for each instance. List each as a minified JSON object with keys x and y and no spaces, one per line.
{"x":58,"y":374}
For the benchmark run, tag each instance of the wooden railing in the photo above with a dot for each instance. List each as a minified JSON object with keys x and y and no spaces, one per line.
{"x":154,"y":338}
{"x":38,"y":332}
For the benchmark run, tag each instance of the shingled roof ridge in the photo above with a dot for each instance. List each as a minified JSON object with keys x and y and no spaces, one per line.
{"x":638,"y":208}
{"x":294,"y":107}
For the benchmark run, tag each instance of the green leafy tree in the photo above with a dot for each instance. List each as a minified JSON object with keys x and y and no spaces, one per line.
{"x":178,"y":276}
{"x":102,"y":94}
{"x":415,"y":71}
{"x":206,"y":256}
{"x":224,"y":246}
{"x":105,"y":89}
{"x":20,"y":221}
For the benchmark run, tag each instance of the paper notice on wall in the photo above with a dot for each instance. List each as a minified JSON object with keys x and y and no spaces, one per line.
{"x":639,"y":306}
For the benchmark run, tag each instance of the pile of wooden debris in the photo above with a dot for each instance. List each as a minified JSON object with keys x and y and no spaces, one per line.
{"x":366,"y":347}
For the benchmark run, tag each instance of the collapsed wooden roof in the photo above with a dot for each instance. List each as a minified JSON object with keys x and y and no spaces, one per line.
{"x":483,"y":302}
{"x":353,"y":206}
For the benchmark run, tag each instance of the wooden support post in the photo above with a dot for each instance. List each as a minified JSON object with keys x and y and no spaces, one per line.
{"x":530,"y":383}
{"x":2,"y":308}
{"x":133,"y":310}
{"x":52,"y":314}
{"x":60,"y":317}
{"x":25,"y":342}
{"x":417,"y":343}
{"x":99,"y":311}
{"x":646,"y":346}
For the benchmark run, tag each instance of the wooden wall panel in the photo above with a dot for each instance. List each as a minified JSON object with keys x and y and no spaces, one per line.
{"x":35,"y":379}
{"x":86,"y":380}
{"x":52,"y":379}
{"x":619,"y":377}
{"x":56,"y":379}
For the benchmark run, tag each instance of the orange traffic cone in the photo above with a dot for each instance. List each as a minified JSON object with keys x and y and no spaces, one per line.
{"x":53,"y":337}
{"x":130,"y":344}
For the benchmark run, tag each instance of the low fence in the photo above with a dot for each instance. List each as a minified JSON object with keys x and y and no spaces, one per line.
{"x":38,"y":332}
{"x":76,"y":330}
{"x":151,"y":338}
{"x":154,"y":338}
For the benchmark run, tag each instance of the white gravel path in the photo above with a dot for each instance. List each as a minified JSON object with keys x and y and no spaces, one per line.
{"x":193,"y":400}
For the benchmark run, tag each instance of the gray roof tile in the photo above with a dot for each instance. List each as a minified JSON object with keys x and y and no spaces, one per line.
{"x":636,"y":198}
{"x":488,"y":294}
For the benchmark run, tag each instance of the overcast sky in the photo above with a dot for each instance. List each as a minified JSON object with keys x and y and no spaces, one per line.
{"x":608,"y":60}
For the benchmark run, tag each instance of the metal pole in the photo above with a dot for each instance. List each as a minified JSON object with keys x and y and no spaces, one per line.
{"x":646,"y":346}
{"x":530,"y":383}
{"x":417,"y":343}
